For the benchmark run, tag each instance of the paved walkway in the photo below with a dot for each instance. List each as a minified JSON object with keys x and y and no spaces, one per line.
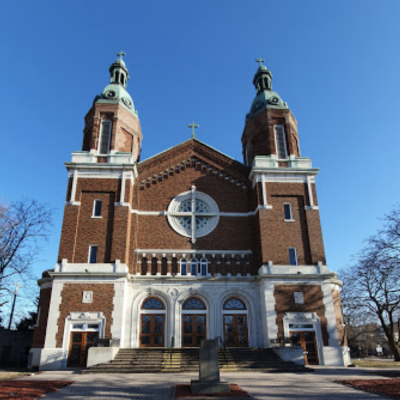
{"x":287,"y":386}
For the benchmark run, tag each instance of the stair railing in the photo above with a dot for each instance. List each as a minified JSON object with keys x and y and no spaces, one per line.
{"x":170,"y":350}
{"x":221,"y":344}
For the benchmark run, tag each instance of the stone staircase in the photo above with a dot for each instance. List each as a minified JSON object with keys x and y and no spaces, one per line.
{"x":234,"y":359}
{"x":141,"y":360}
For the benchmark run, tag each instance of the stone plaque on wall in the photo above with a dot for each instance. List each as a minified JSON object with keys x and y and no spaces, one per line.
{"x":87,"y":297}
{"x":298,"y":298}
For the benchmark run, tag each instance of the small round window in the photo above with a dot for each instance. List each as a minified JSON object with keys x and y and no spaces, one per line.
{"x":193,"y":214}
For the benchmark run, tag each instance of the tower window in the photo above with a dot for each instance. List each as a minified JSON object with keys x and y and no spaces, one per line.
{"x":280,"y":142}
{"x":93,"y":254}
{"x":203,"y":266}
{"x":97,"y":208}
{"x":183,"y":266}
{"x":193,"y":266}
{"x":122,"y":78}
{"x":105,"y":133}
{"x":287,"y":209}
{"x":292,"y":256}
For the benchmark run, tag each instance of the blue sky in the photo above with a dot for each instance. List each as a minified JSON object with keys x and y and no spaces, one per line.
{"x":336,"y":63}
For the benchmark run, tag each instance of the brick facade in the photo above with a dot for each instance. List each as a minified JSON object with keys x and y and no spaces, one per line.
{"x":71,"y":295}
{"x":40,"y":330}
{"x":313,"y":302}
{"x":140,"y":251}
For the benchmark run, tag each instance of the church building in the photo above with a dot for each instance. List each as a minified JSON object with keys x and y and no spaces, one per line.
{"x":189,"y":244}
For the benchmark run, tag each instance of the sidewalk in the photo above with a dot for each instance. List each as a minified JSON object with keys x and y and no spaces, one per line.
{"x":290,"y":386}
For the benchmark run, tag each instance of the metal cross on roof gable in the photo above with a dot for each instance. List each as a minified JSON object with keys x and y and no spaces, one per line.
{"x":193,"y":126}
{"x":260,"y":60}
{"x":120,"y":54}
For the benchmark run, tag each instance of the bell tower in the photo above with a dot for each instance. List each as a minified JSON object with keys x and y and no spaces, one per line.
{"x":112,"y":124}
{"x":271,"y":129}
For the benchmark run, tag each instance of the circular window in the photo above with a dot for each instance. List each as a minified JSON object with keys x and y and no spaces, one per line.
{"x":193,"y":214}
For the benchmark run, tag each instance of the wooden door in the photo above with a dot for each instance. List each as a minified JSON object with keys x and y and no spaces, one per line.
{"x":80,"y":342}
{"x":307,"y":341}
{"x":152,"y":330}
{"x":194,"y":329}
{"x":235,"y":330}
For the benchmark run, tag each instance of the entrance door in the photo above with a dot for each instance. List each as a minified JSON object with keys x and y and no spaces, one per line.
{"x":307,"y":341}
{"x":152,"y":330}
{"x":193,"y":329}
{"x":80,"y":342}
{"x":235,"y":330}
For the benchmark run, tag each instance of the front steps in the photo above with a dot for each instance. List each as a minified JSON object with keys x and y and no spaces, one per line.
{"x":141,"y":360}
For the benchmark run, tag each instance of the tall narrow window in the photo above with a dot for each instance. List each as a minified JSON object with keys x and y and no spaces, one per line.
{"x":97,"y":208}
{"x":183,"y":266}
{"x":203,"y":266}
{"x":93,"y":254}
{"x":292,"y":256}
{"x":193,"y":266}
{"x":280,"y":142}
{"x":105,"y":133}
{"x":287,"y":209}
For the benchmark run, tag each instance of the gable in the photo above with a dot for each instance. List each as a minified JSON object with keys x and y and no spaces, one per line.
{"x":192,"y":151}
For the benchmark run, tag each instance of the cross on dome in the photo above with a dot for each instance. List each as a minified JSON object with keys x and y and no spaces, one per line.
{"x":120,"y":54}
{"x":193,"y":126}
{"x":260,"y":60}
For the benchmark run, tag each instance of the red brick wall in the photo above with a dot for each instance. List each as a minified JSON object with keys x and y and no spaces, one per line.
{"x":103,"y":295}
{"x":39,"y":333}
{"x":277,"y":235}
{"x":259,"y":137}
{"x":313,"y":302}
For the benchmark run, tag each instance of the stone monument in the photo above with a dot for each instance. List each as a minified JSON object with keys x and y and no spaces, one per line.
{"x":209,"y":381}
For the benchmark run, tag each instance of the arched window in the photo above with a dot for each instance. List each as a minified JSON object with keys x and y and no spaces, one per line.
{"x":193,"y":266}
{"x":105,"y":133}
{"x":203,"y":266}
{"x":183,"y":266}
{"x":234,"y":304}
{"x":153,"y":304}
{"x":117,"y":77}
{"x":193,"y":303}
{"x":122,"y":78}
{"x":280,"y":142}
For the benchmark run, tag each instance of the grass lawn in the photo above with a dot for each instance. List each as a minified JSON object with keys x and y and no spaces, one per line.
{"x":373,"y":363}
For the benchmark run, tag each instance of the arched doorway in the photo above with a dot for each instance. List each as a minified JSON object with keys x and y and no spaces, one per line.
{"x":234,"y":312}
{"x":194,"y":322}
{"x":152,"y":323}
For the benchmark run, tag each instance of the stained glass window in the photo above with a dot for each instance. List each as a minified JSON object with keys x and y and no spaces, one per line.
{"x":194,"y":304}
{"x":193,"y":214}
{"x":153,"y":304}
{"x":234,"y":304}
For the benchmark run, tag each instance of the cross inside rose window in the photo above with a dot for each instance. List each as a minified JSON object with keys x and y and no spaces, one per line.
{"x":193,"y":214}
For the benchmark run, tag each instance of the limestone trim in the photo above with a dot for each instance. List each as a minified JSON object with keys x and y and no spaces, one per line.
{"x":137,"y":311}
{"x":119,"y":311}
{"x":250,"y":312}
{"x":268,"y":301}
{"x":167,"y":213}
{"x":84,"y":318}
{"x":54,"y":313}
{"x":330,"y":314}
{"x":305,"y":318}
{"x":211,"y":316}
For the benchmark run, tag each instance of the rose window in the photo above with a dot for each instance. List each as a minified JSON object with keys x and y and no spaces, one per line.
{"x":193,"y":214}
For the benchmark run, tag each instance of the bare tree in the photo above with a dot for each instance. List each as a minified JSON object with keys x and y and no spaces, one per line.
{"x":24,"y":226}
{"x":372,"y":284}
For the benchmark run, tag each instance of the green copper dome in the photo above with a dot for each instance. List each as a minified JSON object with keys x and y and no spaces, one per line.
{"x":116,"y":92}
{"x":266,"y":97}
